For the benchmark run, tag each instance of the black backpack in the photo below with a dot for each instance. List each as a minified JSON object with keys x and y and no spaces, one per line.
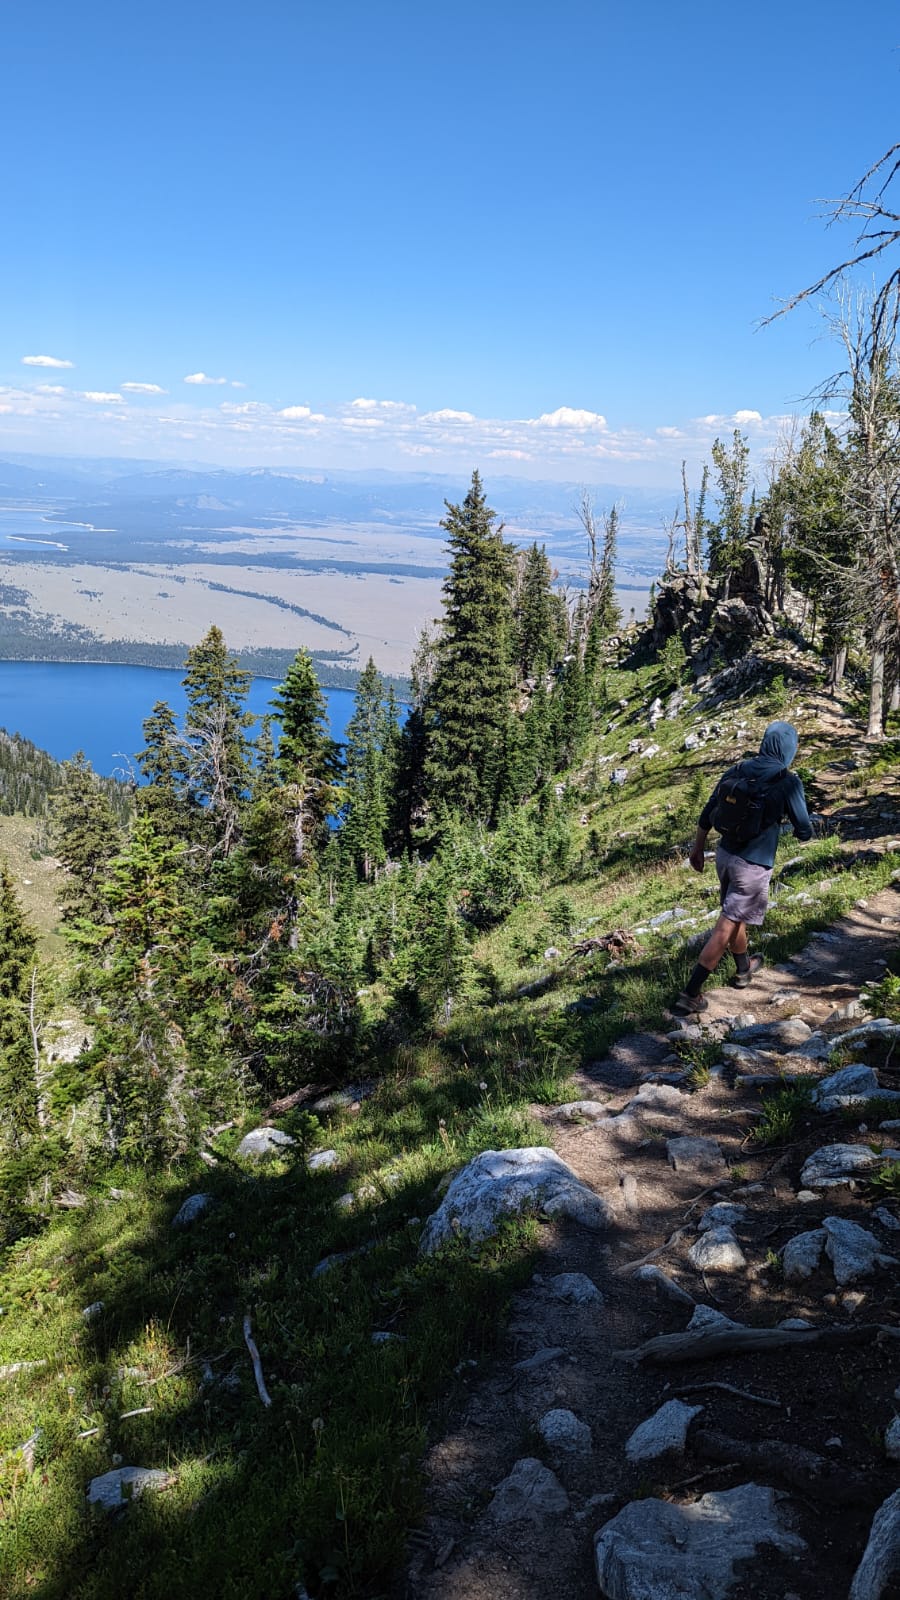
{"x":744,"y":804}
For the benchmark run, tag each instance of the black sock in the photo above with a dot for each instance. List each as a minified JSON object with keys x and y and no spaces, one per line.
{"x":696,"y":981}
{"x":742,"y":961}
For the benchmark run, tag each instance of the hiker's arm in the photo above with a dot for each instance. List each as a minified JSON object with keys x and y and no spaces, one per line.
{"x":798,"y":815}
{"x":697,"y":853}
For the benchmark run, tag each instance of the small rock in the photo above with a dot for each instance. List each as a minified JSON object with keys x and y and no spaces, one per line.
{"x":709,"y":1317}
{"x":503,"y":1183}
{"x":345,"y":1202}
{"x":783,"y":1034}
{"x":663,"y":1434}
{"x":886,"y":1218}
{"x":717,"y":1251}
{"x":582,"y":1111}
{"x":805,"y":1196}
{"x":323,"y":1161}
{"x":575,"y":1288}
{"x":802,"y":1254}
{"x":785,"y":997}
{"x":687,"y":1154}
{"x":384,"y":1336}
{"x":724,"y":1214}
{"x":93,"y":1311}
{"x":116,"y":1488}
{"x":264,"y":1142}
{"x":853,"y":1251}
{"x":531,"y":1493}
{"x":562,"y":1430}
{"x":190,"y":1209}
{"x":795,"y":1324}
{"x":853,"y":1085}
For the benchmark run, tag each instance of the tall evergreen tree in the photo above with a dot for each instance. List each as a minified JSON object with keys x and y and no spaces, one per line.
{"x":469,"y":704}
{"x":163,"y":797}
{"x":308,"y":760}
{"x":540,"y":614}
{"x":366,"y":757}
{"x":19,"y":1088}
{"x":85,"y":836}
{"x":216,"y":725}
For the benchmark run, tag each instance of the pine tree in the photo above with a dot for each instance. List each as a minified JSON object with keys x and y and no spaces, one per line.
{"x":469,"y":703}
{"x":163,"y":797}
{"x":366,"y":756}
{"x":19,"y":1088}
{"x":216,"y":727}
{"x":540,"y":615}
{"x":308,"y":761}
{"x":86,"y":837}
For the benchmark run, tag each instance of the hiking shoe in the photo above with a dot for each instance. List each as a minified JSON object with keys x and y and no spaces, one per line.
{"x":693,"y":1004}
{"x":742,"y":979}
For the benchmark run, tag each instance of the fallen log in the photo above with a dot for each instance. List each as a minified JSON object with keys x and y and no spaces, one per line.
{"x":802,"y":1469}
{"x":702,"y":1344}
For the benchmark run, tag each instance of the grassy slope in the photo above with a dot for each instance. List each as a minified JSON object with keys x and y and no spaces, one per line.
{"x":322,"y":1488}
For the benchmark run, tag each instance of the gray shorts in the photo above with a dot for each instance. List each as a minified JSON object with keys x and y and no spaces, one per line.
{"x":744,"y":888}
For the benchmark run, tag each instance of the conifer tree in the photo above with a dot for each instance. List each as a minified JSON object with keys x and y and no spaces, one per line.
{"x":163,"y":797}
{"x":367,"y":753}
{"x":469,"y":703}
{"x":216,"y":727}
{"x":540,"y":617}
{"x":19,"y":1088}
{"x":85,"y":837}
{"x":308,"y":760}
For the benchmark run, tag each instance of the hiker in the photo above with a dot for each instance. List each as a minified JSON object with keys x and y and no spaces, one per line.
{"x":747,"y":808}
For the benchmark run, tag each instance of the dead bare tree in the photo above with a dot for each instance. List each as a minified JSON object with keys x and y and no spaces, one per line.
{"x":865,"y":203}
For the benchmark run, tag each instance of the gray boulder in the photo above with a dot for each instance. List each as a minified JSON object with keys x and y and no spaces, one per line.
{"x":709,"y":1317}
{"x":531,"y":1493}
{"x":802,"y":1254}
{"x":264,"y":1142}
{"x":852,"y":1086}
{"x":663,"y":1434}
{"x":725,"y":1214}
{"x":503,"y":1183}
{"x":783,"y":1033}
{"x":561,"y":1430}
{"x":881,"y":1558}
{"x":116,"y":1488}
{"x":840,"y":1163}
{"x":654,"y":1550}
{"x":190,"y":1209}
{"x":575,"y":1288}
{"x":695,"y":1155}
{"x":892,"y":1440}
{"x":583,"y":1111}
{"x":854,"y":1251}
{"x":717,"y":1251}
{"x":878,"y":1031}
{"x":323,"y":1161}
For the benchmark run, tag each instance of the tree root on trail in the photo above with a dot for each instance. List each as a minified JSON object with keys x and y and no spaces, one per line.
{"x":705,"y":1343}
{"x":802,"y":1469}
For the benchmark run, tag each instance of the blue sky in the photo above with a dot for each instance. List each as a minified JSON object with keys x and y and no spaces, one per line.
{"x":536,"y":237}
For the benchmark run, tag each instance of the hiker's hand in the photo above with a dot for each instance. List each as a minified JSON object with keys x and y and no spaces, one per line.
{"x":697,"y":858}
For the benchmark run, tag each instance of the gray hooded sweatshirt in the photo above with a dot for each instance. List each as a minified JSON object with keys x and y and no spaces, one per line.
{"x":776,"y":752}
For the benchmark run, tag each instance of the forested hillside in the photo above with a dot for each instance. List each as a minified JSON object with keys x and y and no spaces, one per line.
{"x":308,"y":984}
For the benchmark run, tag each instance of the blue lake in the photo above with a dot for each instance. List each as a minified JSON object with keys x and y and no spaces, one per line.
{"x":66,"y":707}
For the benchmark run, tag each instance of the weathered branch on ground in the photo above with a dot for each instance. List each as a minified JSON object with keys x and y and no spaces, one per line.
{"x":632,"y":1266}
{"x":264,"y":1395}
{"x":802,"y":1469}
{"x":702,"y":1344}
{"x":729,"y":1388}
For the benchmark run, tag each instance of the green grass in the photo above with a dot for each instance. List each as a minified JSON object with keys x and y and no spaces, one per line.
{"x":783,"y":1112}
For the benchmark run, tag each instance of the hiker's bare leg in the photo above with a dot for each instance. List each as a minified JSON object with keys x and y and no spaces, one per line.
{"x":737,"y":944}
{"x":719,"y":941}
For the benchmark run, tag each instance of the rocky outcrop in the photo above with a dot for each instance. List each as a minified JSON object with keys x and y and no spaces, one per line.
{"x":500,"y":1184}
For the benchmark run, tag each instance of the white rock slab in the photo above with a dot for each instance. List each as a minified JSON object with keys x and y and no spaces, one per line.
{"x":717,"y":1251}
{"x":531,"y":1493}
{"x":116,"y":1488}
{"x":562,"y":1430}
{"x":575,"y":1288}
{"x":264,"y":1142}
{"x":663,"y":1434}
{"x":881,"y":1559}
{"x":582,"y":1111}
{"x":834,"y":1164}
{"x":503,"y":1183}
{"x":654,"y":1550}
{"x":854,"y":1251}
{"x":695,"y":1155}
{"x":323,"y":1161}
{"x":802,"y":1254}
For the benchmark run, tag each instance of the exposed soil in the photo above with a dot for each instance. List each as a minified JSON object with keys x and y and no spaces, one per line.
{"x":836,"y":1403}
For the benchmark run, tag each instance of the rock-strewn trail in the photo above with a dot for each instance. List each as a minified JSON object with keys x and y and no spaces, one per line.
{"x":635,"y":1441}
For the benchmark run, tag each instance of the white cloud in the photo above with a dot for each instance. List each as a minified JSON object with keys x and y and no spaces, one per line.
{"x":102,"y":397}
{"x":301,"y":414}
{"x":381,"y":405}
{"x":45,"y":361}
{"x":143,"y":388}
{"x":669,"y":433}
{"x":51,"y":388}
{"x":362,"y":422}
{"x":236,"y":384}
{"x":742,"y":417}
{"x":246,"y":408}
{"x":510,"y":455}
{"x":448,"y":416}
{"x":201,"y":377}
{"x":569,"y":417}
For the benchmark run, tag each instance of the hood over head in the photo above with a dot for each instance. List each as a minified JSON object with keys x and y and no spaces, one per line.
{"x":779,"y":743}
